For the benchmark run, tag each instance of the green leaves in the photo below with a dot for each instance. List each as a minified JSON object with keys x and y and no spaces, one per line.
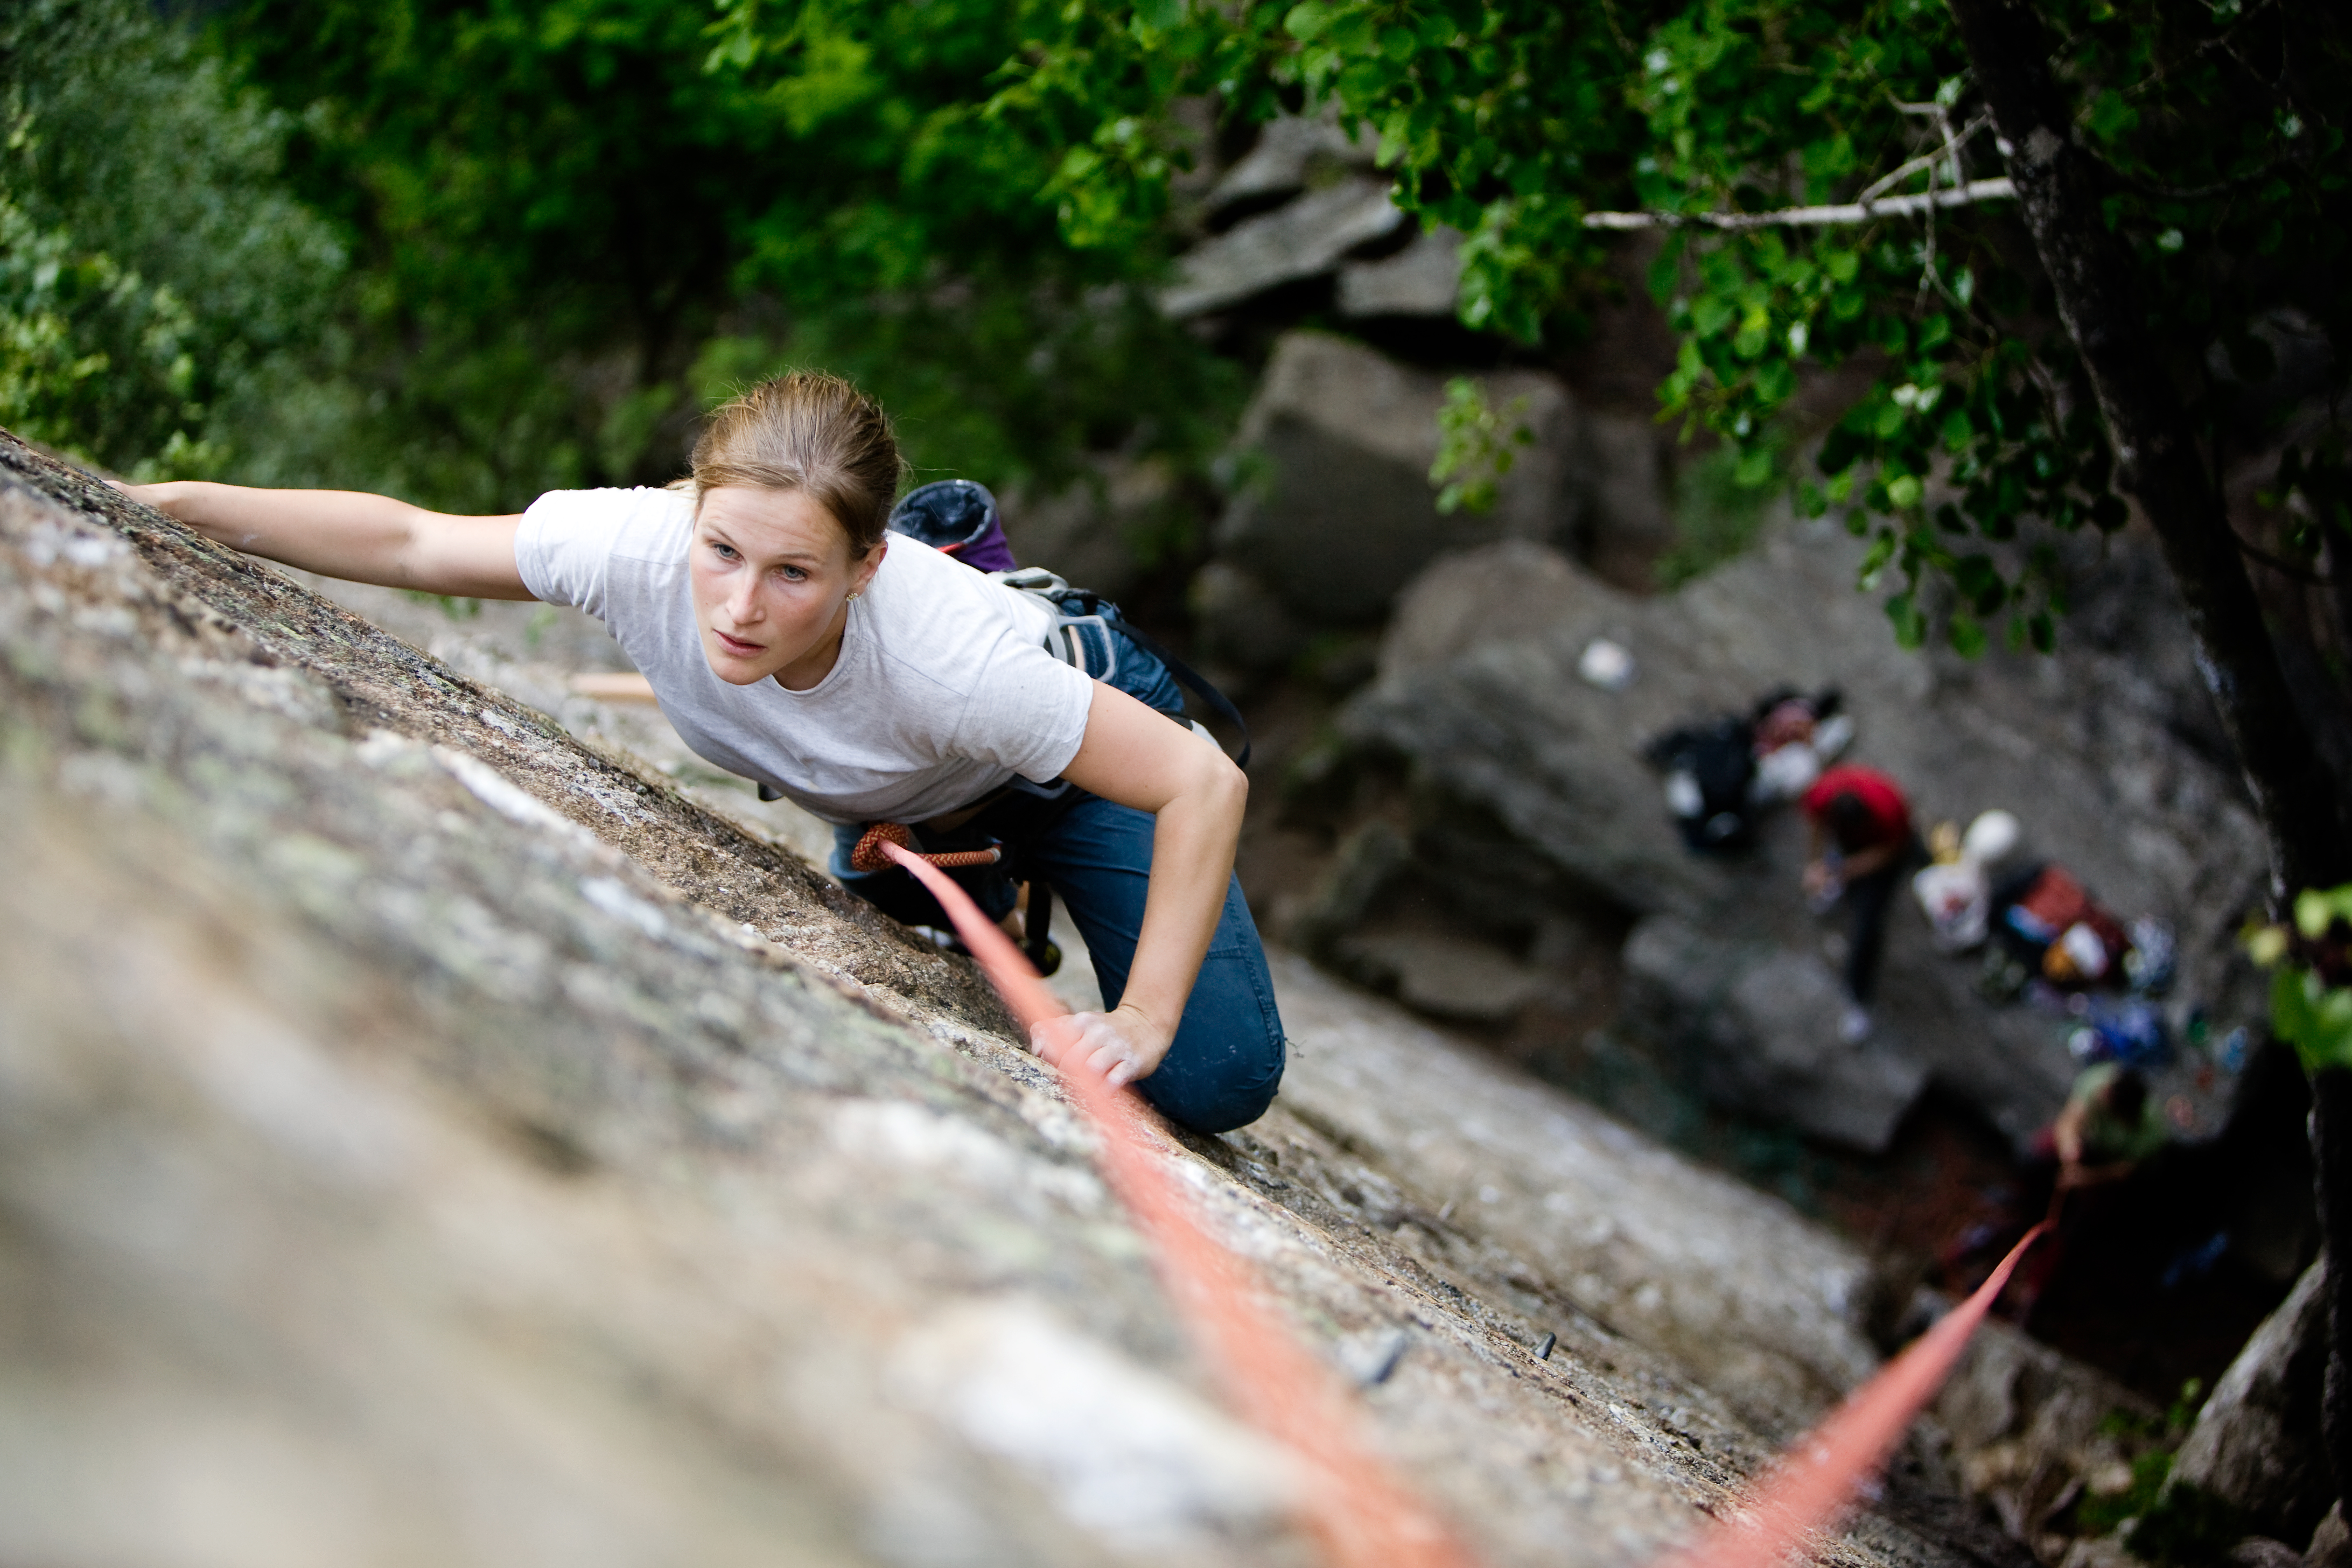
{"x":1511,"y":120}
{"x":1474,"y":445}
{"x":159,"y":287}
{"x":578,"y":220}
{"x":1910,"y":625}
{"x":2311,"y":990}
{"x":2314,"y":1017}
{"x":526,"y":174}
{"x":2317,"y":909}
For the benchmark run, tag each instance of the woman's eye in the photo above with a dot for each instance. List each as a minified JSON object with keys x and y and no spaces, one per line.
{"x":793,"y":575}
{"x":724,"y":553}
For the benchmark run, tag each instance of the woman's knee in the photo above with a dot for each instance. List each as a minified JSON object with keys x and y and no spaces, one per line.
{"x":1226,"y":1062}
{"x":1212,"y":1102}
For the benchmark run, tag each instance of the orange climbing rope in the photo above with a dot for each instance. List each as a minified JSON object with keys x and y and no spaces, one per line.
{"x":1817,"y":1478}
{"x":869,"y":855}
{"x":1359,"y":1509}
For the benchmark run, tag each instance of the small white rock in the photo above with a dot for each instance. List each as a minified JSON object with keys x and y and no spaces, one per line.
{"x":1606,"y":665}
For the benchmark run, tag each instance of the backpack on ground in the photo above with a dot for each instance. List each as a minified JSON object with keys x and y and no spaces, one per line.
{"x":1709,"y":767}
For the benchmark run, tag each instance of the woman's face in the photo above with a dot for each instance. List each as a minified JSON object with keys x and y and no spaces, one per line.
{"x":772,"y":575}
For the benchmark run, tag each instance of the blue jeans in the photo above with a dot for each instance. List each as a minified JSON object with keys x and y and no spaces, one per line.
{"x":1226,"y":1061}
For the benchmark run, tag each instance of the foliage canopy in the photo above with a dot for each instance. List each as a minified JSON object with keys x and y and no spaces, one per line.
{"x":569,"y":223}
{"x":1972,"y":434}
{"x":157,"y":284}
{"x":577,"y":222}
{"x":465,"y":253}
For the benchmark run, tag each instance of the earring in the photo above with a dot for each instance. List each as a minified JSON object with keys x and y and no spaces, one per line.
{"x":852,"y":596}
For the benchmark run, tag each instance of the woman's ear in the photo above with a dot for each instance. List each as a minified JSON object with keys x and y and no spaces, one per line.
{"x":861,"y":575}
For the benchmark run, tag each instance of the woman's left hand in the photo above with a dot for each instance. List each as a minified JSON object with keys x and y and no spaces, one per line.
{"x":1121,"y":1046}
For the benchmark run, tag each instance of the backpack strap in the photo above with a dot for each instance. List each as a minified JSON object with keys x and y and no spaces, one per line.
{"x":1218,"y":702}
{"x":1099,"y":612}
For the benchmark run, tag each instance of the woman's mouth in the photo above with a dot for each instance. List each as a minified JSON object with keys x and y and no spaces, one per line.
{"x":736,"y":646}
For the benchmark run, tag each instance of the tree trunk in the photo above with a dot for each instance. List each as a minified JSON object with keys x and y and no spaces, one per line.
{"x":2331,"y":1149}
{"x":2157,"y":460}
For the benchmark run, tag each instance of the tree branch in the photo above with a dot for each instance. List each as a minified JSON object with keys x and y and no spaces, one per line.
{"x":2194,"y":192}
{"x":1975,"y":191}
{"x":1953,"y":142}
{"x":2280,"y":564}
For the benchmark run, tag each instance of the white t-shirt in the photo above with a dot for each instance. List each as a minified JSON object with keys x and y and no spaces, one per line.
{"x":942,"y":692}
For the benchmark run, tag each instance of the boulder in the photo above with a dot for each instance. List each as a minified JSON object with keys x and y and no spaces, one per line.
{"x":1441,"y":975}
{"x":1292,"y":153}
{"x":1335,"y":513}
{"x":2331,"y":1543}
{"x":1423,"y":280}
{"x":2100,"y":749}
{"x":1628,"y":522}
{"x":1306,"y":238}
{"x":2256,"y":1443}
{"x":1760,"y":1018}
{"x":2029,"y":1430}
{"x":1242,"y":625}
{"x":1094,"y":533}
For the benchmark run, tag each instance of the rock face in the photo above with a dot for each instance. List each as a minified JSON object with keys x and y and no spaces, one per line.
{"x":2031,"y":1430}
{"x":1292,"y":152}
{"x":2102,"y":750}
{"x":1335,"y":513}
{"x":1628,"y":522}
{"x":2256,"y":1443}
{"x":1714,"y":1273}
{"x":1423,"y":280}
{"x":1310,"y":196}
{"x":1307,"y":197}
{"x":1096,"y":532}
{"x":424,"y":1138}
{"x":1307,"y":238}
{"x":1761,"y":1015}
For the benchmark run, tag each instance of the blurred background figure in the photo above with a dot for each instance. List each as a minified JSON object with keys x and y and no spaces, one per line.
{"x":1862,"y":844}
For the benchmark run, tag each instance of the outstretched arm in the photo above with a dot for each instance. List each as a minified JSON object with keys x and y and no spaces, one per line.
{"x":349,"y":534}
{"x":1818,"y":875}
{"x":1137,"y":758}
{"x":1862,"y":862}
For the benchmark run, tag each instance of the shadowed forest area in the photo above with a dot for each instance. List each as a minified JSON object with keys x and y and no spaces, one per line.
{"x":1570,"y":434}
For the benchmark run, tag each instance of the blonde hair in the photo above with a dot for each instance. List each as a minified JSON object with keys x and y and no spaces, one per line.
{"x":810,"y":432}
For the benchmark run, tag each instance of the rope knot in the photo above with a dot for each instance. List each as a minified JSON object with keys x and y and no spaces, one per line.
{"x":868,"y":856}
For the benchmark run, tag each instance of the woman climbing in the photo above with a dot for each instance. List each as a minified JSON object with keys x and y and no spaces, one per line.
{"x":873,"y":681}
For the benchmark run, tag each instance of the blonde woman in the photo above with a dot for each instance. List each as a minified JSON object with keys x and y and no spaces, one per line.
{"x":872,"y":679}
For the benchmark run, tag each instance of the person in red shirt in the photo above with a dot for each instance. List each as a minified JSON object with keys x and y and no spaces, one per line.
{"x":1861,"y":844}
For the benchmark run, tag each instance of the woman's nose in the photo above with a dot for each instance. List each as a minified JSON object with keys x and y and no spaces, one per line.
{"x":744,"y":603}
